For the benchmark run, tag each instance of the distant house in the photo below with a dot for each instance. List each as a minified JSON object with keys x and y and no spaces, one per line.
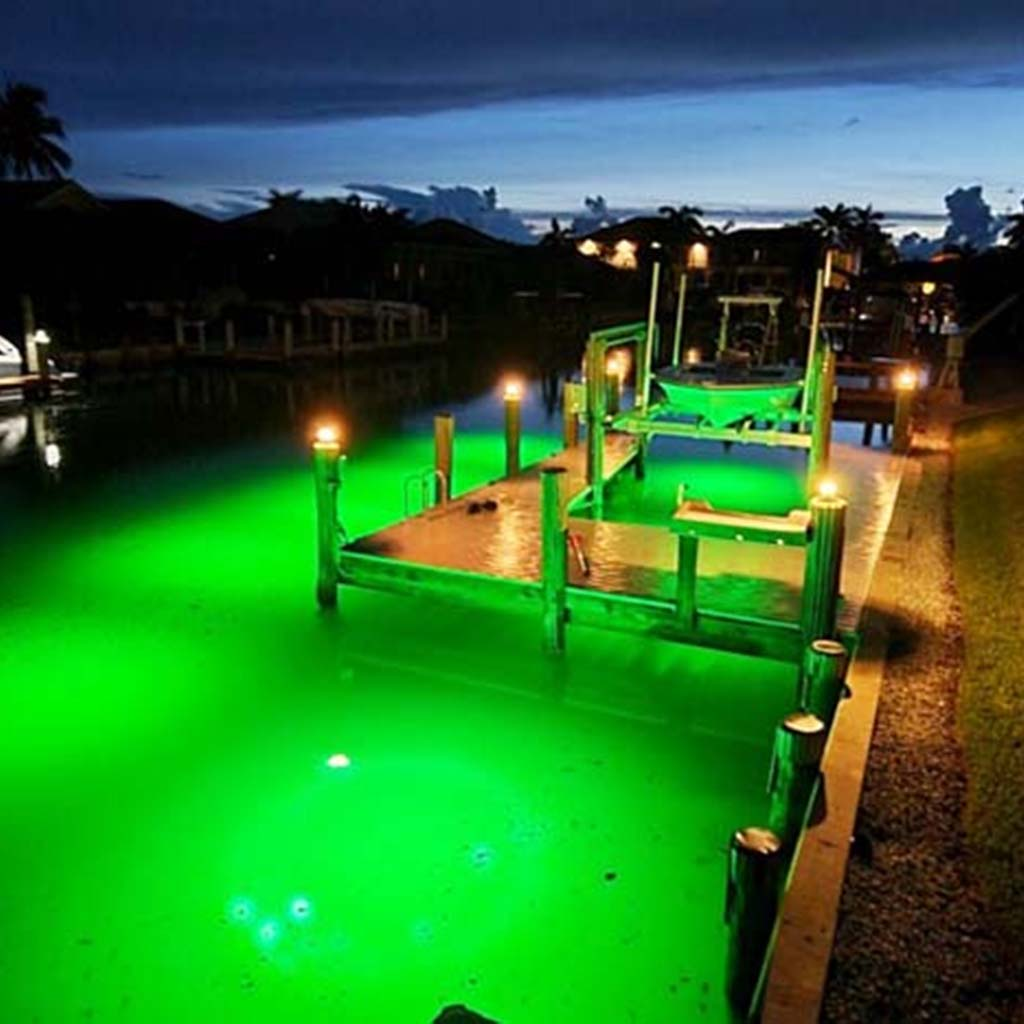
{"x":25,"y":198}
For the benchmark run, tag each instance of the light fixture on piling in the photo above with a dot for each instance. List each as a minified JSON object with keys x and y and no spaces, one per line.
{"x":692,"y":356}
{"x":52,"y":455}
{"x":928,"y":288}
{"x":906,"y":379}
{"x":513,"y":391}
{"x":40,"y":337}
{"x":828,"y":488}
{"x":327,"y":435}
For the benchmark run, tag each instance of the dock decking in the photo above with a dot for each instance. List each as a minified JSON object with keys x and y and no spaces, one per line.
{"x":638,"y":560}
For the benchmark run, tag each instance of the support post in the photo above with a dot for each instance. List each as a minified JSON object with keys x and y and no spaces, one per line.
{"x":554,"y":557}
{"x":571,"y":403}
{"x":595,"y":422}
{"x":751,"y":905}
{"x":513,"y":399}
{"x":796,"y":759}
{"x":288,"y":341}
{"x":677,"y":338}
{"x":28,"y":326}
{"x":643,"y":382}
{"x":201,"y":337}
{"x":823,"y":566}
{"x":686,"y":582}
{"x":335,"y":336}
{"x":821,"y":422}
{"x":811,"y":381}
{"x":613,"y":386}
{"x":444,"y":449}
{"x":901,"y":423}
{"x":327,"y":481}
{"x":230,"y":342}
{"x":821,"y":679}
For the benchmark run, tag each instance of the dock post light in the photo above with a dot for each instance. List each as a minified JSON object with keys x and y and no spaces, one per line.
{"x":906,"y":388}
{"x":513,"y":399}
{"x":615,"y":374}
{"x":327,"y":481}
{"x":796,"y":760}
{"x":823,"y":566}
{"x":444,"y":452}
{"x":753,"y":886}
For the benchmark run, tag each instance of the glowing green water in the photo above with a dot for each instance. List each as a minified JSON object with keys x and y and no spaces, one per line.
{"x":540,"y":840}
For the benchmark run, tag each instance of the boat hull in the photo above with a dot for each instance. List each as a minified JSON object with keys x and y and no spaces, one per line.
{"x":725,"y":403}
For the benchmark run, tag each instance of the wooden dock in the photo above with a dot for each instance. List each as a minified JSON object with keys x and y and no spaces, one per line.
{"x":485,"y":547}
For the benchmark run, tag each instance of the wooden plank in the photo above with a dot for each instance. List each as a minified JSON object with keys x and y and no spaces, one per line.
{"x":699,"y":519}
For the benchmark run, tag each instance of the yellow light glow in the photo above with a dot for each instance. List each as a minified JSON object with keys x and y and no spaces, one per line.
{"x":327,"y":434}
{"x":513,"y":391}
{"x":906,"y":380}
{"x":624,"y":256}
{"x":928,"y":288}
{"x":339,"y":761}
{"x":697,"y":257}
{"x":828,"y":488}
{"x":692,"y":356}
{"x":616,"y":366}
{"x":588,"y":247}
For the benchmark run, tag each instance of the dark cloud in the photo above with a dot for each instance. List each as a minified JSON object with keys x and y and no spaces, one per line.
{"x":208,"y":61}
{"x":851,"y":122}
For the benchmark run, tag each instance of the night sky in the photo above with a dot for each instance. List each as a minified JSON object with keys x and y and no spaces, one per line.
{"x":759,"y":108}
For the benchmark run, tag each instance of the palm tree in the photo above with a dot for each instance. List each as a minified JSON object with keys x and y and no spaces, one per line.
{"x":558,"y":237}
{"x":27,"y":133}
{"x":275,"y":197}
{"x":684,"y":221}
{"x":832,"y":223}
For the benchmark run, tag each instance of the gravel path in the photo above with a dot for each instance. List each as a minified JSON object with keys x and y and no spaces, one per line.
{"x":915,"y":941}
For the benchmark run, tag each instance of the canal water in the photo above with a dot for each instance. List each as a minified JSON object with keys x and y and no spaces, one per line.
{"x":218,"y":804}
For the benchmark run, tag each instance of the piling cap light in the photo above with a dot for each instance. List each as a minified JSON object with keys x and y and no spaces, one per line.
{"x":513,"y":391}
{"x":327,"y":434}
{"x":692,"y":356}
{"x":697,"y":257}
{"x":828,"y":488}
{"x":906,"y":380}
{"x":40,"y":337}
{"x":928,"y":288}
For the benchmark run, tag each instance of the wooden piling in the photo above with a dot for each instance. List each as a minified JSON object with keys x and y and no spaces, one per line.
{"x":595,"y":422}
{"x":901,"y":425}
{"x":571,"y":403}
{"x":822,"y":567}
{"x":444,"y":449}
{"x":686,"y":582}
{"x":796,"y":757}
{"x":513,"y":429}
{"x":230,"y":341}
{"x":677,"y":338}
{"x":751,"y":904}
{"x":554,"y":557}
{"x":327,"y":479}
{"x":821,"y":679}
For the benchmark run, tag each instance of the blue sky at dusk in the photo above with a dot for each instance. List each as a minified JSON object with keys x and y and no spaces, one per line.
{"x":752,"y":109}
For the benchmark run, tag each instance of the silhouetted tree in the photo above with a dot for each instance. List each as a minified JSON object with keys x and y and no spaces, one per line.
{"x":832,"y":223}
{"x":276,"y":198}
{"x":684,"y":221}
{"x":27,"y":134}
{"x":558,"y":237}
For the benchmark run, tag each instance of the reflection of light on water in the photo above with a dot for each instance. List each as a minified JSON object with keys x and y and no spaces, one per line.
{"x":51,"y":455}
{"x":13,"y":430}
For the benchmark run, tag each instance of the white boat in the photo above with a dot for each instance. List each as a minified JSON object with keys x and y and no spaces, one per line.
{"x":10,"y":359}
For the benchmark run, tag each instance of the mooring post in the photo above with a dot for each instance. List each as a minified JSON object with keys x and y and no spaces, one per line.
{"x":229,"y":337}
{"x":554,"y":557}
{"x":823,"y":565}
{"x":444,"y":446}
{"x":643,"y":372}
{"x":595,"y":422}
{"x":796,"y":758}
{"x":571,"y":403}
{"x":513,"y":399}
{"x":686,"y":582}
{"x":751,"y":904}
{"x":906,"y":386}
{"x":821,"y":679}
{"x":327,"y":480}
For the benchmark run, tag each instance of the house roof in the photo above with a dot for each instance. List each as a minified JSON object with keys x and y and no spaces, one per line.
{"x":33,"y":196}
{"x":442,"y":231}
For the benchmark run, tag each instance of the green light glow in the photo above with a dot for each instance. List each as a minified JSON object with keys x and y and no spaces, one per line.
{"x":166,"y":732}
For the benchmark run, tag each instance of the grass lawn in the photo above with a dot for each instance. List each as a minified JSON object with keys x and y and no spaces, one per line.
{"x":989,"y":562}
